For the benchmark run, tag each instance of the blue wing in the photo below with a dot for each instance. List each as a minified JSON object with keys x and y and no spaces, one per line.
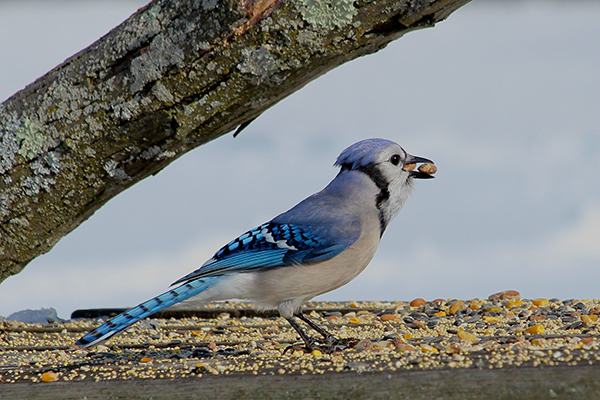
{"x":271,"y":245}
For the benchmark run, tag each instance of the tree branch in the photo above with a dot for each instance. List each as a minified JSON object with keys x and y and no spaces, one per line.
{"x":175,"y":75}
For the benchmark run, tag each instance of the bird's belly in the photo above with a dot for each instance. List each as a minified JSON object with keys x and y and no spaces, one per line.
{"x":300,"y":283}
{"x":286,"y":288}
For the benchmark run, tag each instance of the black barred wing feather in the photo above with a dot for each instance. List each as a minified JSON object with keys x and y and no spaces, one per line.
{"x":271,"y":245}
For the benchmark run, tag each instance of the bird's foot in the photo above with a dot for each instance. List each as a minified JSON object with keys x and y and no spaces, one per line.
{"x":334,"y":345}
{"x":327,"y":346}
{"x":347,"y":342}
{"x":295,"y":347}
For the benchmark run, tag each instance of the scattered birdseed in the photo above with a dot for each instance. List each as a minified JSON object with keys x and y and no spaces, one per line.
{"x":49,"y":376}
{"x":467,"y":336}
{"x":457,"y":307}
{"x":502,"y":331}
{"x":505,"y":295}
{"x":536,"y":329}
{"x":539,"y":302}
{"x":418,"y":302}
{"x":388,"y":317}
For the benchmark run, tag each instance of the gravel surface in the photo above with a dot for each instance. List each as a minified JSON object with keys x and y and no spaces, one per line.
{"x":502,"y":331}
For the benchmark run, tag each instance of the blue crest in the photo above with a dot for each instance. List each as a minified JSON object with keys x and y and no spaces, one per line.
{"x":362,"y":153}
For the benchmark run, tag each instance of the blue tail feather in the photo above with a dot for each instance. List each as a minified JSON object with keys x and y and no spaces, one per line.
{"x":141,"y":311}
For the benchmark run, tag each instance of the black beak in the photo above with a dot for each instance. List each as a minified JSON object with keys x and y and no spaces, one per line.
{"x":418,"y":160}
{"x":420,"y":175}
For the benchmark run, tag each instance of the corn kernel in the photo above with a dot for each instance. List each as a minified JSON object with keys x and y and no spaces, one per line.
{"x":469,"y":337}
{"x":514,"y":303}
{"x":586,"y":319}
{"x":49,"y":376}
{"x":456,"y":307}
{"x":428,"y":349}
{"x":536,"y":329}
{"x":540,"y":302}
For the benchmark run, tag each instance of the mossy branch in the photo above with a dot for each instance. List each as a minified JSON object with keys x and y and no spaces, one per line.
{"x":175,"y":75}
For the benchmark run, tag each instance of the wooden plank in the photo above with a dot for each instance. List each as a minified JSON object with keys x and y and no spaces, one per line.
{"x":496,"y":384}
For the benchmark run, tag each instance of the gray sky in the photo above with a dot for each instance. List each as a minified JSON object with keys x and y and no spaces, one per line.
{"x":503,"y":96}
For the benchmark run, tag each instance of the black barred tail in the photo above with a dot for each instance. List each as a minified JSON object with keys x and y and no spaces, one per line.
{"x":133,"y":315}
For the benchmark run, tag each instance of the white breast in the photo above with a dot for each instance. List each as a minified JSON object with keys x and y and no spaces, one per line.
{"x":287,"y":288}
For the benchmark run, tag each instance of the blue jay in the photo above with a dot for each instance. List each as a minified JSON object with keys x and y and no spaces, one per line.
{"x":322,"y":243}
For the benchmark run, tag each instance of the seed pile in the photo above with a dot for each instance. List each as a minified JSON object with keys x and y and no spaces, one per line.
{"x":502,"y":331}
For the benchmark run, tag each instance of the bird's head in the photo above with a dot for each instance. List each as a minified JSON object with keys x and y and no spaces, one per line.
{"x":390,"y":168}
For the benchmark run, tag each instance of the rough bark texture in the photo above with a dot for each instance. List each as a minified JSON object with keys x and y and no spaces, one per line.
{"x":175,"y":75}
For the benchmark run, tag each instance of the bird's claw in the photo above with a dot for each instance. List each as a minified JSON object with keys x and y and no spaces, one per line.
{"x":334,"y":345}
{"x":330,"y":345}
{"x":295,"y":347}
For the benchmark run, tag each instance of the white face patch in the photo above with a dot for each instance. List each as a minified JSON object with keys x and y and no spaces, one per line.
{"x":399,"y":189}
{"x":282,"y":244}
{"x":397,"y":184}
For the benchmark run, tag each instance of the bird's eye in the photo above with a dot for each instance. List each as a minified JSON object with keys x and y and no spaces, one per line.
{"x":395,"y":159}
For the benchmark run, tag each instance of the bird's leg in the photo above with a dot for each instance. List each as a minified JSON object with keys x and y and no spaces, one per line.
{"x":309,"y":341}
{"x":329,"y":338}
{"x":332,"y":343}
